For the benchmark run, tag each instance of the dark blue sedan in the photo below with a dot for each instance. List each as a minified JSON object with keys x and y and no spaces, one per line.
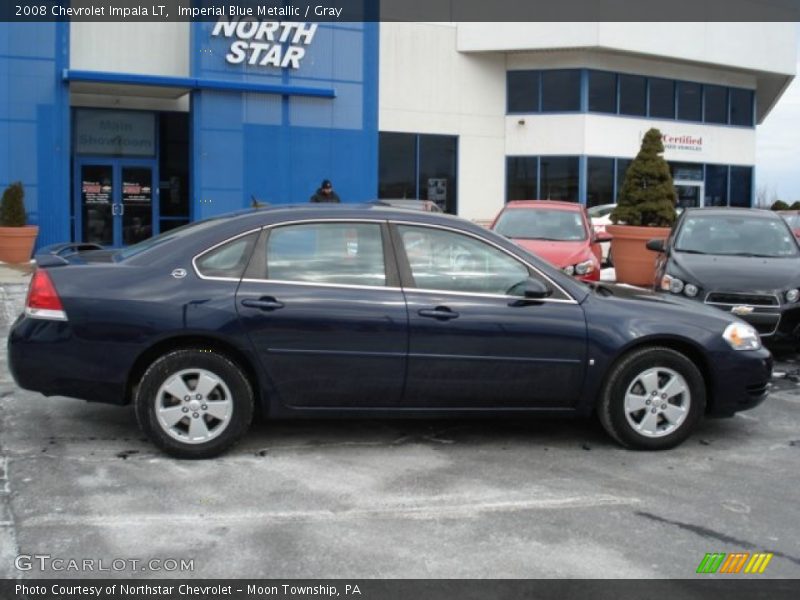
{"x":368,"y":311}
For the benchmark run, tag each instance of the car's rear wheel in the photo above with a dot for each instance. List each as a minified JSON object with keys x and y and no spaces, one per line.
{"x":652,"y":399}
{"x":193,"y":403}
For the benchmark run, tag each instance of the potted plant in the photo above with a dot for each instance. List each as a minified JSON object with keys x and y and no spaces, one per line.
{"x":645,"y":210}
{"x":16,"y":237}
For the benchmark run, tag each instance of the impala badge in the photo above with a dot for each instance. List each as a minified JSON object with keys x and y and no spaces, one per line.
{"x":179,"y":273}
{"x":742,"y":310}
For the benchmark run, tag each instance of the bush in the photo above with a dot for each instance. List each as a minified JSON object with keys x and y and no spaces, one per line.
{"x":795,"y":205}
{"x":779,"y":205}
{"x":12,"y":207}
{"x":647,"y":197}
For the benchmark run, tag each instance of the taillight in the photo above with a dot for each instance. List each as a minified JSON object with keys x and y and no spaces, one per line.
{"x":43,"y":301}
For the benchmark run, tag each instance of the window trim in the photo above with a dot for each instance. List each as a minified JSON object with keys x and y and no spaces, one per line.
{"x":400,"y":260}
{"x":214,"y":247}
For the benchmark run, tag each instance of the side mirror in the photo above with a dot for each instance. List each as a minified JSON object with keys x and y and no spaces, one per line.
{"x":533,"y":289}
{"x":529,"y":289}
{"x":656,"y":245}
{"x":602,"y":237}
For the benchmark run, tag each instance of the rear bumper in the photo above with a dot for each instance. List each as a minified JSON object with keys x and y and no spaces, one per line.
{"x":44,"y":356}
{"x":741,"y":382}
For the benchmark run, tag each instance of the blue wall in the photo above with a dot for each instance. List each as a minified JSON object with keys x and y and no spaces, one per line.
{"x":278,"y":147}
{"x":34,"y":122}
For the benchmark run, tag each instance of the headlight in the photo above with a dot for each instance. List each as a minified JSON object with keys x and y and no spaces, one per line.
{"x":671,"y":284}
{"x":741,"y":336}
{"x":690,"y":290}
{"x":792,"y":296}
{"x":584,"y":268}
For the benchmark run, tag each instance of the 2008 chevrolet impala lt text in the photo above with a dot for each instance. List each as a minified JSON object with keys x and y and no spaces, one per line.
{"x":368,"y":311}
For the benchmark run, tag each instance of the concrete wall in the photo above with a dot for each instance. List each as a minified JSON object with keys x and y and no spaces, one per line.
{"x":427,"y":86}
{"x":143,"y":48}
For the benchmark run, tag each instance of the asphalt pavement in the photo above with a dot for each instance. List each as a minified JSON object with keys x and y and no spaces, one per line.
{"x":392,"y":499}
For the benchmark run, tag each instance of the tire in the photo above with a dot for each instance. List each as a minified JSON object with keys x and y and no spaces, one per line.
{"x":634,"y":416}
{"x":214,"y":412}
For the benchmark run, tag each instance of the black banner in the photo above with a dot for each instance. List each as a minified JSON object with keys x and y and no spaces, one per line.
{"x":733,"y":588}
{"x":400,"y":10}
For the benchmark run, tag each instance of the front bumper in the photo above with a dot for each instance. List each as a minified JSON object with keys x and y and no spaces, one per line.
{"x":741,"y":381}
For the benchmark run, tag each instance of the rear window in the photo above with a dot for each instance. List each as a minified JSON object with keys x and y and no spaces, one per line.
{"x":228,"y":260}
{"x":167,"y":236}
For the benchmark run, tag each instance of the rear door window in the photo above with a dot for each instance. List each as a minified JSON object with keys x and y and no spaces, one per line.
{"x":327,"y":253}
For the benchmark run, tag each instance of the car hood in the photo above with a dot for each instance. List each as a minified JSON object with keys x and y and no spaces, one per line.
{"x":558,"y":254}
{"x":735,"y":273}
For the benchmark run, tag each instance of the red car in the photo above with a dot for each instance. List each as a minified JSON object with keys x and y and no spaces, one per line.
{"x":558,"y":232}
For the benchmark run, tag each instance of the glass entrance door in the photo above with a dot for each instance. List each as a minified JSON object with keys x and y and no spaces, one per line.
{"x":116,"y":202}
{"x":690,"y":194}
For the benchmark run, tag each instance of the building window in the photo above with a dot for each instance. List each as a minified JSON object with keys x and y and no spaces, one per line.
{"x":741,"y":186}
{"x":632,"y":95}
{"x":662,"y":99}
{"x":686,"y":171}
{"x":419,"y":166}
{"x":622,"y":169}
{"x":173,"y":170}
{"x":521,"y":176}
{"x":558,"y":178}
{"x":602,"y":92}
{"x":438,"y":162}
{"x":716,"y":104}
{"x":741,"y":107}
{"x":561,"y":90}
{"x":690,"y":101}
{"x":397,"y":165}
{"x":716,"y":185}
{"x":522,"y":91}
{"x":599,"y":181}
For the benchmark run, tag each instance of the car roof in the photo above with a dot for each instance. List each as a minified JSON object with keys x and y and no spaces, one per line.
{"x":721,"y":211}
{"x":274,"y":213}
{"x":556,"y":204}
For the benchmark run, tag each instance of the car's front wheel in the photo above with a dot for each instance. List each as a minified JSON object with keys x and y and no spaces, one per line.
{"x":194,"y":403}
{"x":652,"y":399}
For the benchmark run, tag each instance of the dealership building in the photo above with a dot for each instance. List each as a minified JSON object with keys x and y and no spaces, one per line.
{"x":121,"y":131}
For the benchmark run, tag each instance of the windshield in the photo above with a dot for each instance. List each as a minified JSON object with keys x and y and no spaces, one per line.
{"x":541,"y":224}
{"x":163,"y":238}
{"x":597,"y":212}
{"x":736,"y":235}
{"x":793,"y":220}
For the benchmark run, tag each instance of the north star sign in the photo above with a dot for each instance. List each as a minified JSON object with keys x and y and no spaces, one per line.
{"x":266,"y":43}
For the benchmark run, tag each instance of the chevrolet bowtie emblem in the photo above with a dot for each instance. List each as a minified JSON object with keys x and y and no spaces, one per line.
{"x":742,"y":310}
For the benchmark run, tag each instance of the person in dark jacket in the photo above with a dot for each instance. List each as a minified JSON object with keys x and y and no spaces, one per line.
{"x":325,"y":193}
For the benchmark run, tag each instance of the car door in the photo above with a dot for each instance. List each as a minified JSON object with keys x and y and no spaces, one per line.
{"x":326,"y":314}
{"x":474,"y":343}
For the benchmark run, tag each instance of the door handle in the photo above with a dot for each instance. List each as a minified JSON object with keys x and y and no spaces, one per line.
{"x":266,"y":303}
{"x":441,"y":313}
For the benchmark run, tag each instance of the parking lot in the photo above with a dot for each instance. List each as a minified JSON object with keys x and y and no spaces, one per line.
{"x":386,"y":499}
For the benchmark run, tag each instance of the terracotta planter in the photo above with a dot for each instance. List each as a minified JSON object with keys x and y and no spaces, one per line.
{"x":633,"y":262}
{"x":16,"y":243}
